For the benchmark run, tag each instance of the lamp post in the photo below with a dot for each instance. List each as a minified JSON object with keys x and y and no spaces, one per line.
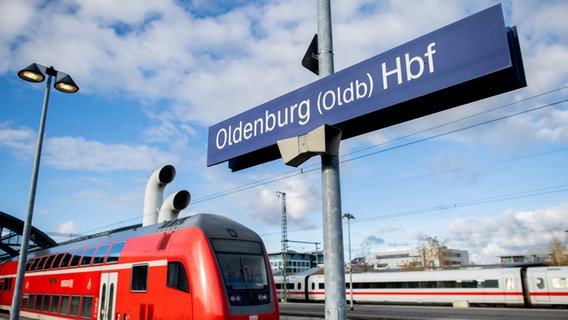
{"x":349,"y":216}
{"x":63,"y":82}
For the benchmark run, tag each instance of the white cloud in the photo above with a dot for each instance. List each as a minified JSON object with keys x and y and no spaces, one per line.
{"x":302,"y":199}
{"x":77,"y":153}
{"x":19,"y":141}
{"x":512,"y":232}
{"x":67,"y":227}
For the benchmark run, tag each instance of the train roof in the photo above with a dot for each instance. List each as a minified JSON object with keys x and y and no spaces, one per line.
{"x":214,"y":226}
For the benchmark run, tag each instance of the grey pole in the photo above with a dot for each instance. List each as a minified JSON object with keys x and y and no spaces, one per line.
{"x":350,"y":265}
{"x":16,"y":300}
{"x":332,"y":227}
{"x":349,"y":216}
{"x":333,"y":240}
{"x":325,"y":44}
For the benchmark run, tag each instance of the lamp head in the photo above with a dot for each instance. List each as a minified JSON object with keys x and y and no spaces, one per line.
{"x":65,"y":84}
{"x":33,"y":73}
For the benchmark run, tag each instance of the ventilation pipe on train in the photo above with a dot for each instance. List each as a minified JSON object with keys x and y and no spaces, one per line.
{"x":154,"y":195}
{"x":173,"y":205}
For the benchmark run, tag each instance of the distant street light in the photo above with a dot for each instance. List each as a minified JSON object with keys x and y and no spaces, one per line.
{"x":63,"y":82}
{"x":349,"y":216}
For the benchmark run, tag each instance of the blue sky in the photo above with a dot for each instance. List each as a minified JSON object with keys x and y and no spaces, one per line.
{"x":489,"y":177}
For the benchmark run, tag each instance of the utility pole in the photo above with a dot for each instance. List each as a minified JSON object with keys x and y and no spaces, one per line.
{"x":284,"y":243}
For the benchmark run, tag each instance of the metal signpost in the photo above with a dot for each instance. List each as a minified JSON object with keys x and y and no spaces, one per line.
{"x":471,"y":59}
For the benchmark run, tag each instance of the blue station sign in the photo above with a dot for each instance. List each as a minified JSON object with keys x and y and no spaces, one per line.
{"x":469,"y":60}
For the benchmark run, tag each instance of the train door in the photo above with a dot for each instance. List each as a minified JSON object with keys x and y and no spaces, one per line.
{"x":107,"y":296}
{"x":540,"y":291}
{"x":512,"y":288}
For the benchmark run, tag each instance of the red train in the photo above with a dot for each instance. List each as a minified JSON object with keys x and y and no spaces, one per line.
{"x":199,"y":267}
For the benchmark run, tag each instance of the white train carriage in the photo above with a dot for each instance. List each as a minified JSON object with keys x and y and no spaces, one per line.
{"x":479,"y":286}
{"x":295,"y":287}
{"x":547,"y":286}
{"x":518,"y":286}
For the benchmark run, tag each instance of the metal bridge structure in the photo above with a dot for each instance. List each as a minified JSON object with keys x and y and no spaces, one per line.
{"x":11,"y":237}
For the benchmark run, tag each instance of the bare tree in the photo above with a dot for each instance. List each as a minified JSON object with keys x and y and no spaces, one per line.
{"x":433,"y":252}
{"x":557,"y":252}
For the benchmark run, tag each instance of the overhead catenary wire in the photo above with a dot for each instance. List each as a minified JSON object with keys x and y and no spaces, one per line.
{"x":348,"y":157}
{"x":454,"y":205}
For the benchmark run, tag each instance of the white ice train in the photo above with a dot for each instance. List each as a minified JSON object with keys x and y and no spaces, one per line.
{"x":516,"y":286}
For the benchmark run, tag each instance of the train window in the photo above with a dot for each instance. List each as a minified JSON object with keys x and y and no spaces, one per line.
{"x":37,"y":305}
{"x":31,"y":302}
{"x":64,"y":309}
{"x":87,"y":307}
{"x":114,"y":253}
{"x":46,"y":302}
{"x":76,"y":258}
{"x":6,"y":284}
{"x":490,"y":284}
{"x":509,"y":283}
{"x":242,"y":263}
{"x":25,"y":298}
{"x":321,"y":286}
{"x":100,"y":255}
{"x":57,"y":261}
{"x":469,"y":284}
{"x":139,"y":280}
{"x":29,"y":264}
{"x":39,"y":266}
{"x":86,"y":260}
{"x":75,"y":303}
{"x":34,"y":264}
{"x":313,"y":286}
{"x":103,"y":302}
{"x":48,"y":262}
{"x":540,"y":283}
{"x":110,"y":299}
{"x":559,"y":283}
{"x":66,"y":259}
{"x":54,"y":304}
{"x":177,"y":277}
{"x":299,"y":286}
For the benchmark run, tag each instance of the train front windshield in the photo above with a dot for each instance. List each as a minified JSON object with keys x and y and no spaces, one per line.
{"x":244,"y":270}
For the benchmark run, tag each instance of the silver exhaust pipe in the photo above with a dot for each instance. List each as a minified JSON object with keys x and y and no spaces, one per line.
{"x":173,"y":205}
{"x":154,"y":195}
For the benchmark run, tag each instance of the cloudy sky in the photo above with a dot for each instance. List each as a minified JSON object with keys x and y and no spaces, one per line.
{"x":489,"y":177}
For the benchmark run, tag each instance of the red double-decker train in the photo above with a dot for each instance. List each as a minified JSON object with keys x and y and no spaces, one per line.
{"x":199,"y":267}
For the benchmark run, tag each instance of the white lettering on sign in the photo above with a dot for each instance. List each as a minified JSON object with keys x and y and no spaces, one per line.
{"x":67,"y":283}
{"x":298,"y":112}
{"x":416,"y":61}
{"x":407,"y":68}
{"x":339,"y":96}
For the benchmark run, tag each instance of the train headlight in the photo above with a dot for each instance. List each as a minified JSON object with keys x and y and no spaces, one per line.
{"x":236,"y":298}
{"x":262,"y":297}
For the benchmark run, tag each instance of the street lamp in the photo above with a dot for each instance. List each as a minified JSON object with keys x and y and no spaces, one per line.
{"x":349,"y":216}
{"x":63,"y":82}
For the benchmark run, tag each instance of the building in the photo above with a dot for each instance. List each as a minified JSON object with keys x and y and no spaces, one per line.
{"x":532,"y":256}
{"x":418,"y":259}
{"x":296,"y":261}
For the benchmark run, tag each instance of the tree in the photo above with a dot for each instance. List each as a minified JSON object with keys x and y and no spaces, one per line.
{"x":557,"y":252}
{"x":433,"y":253}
